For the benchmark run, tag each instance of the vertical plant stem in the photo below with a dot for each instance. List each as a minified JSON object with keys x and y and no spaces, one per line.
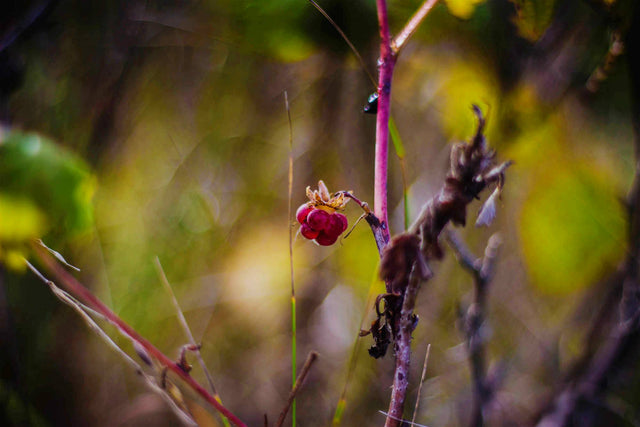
{"x":293,"y":292}
{"x":293,"y":355}
{"x":386,"y":63}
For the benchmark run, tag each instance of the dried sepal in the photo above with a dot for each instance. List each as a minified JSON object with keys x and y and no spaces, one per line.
{"x":322,"y":197}
{"x":488,"y":211}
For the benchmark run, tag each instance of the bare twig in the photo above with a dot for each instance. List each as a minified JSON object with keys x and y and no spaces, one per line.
{"x":149,"y":380}
{"x":401,"y":421}
{"x":187,"y":330}
{"x":378,"y":228}
{"x":74,"y":287}
{"x":399,"y":41}
{"x":422,"y":377}
{"x":299,"y":382}
{"x":482,"y":271}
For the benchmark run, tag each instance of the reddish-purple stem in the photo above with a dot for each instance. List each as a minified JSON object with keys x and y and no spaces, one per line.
{"x":386,"y":63}
{"x":73,"y":286}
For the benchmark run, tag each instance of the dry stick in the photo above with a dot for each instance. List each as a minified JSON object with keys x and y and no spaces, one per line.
{"x":482,"y":271}
{"x":299,"y":382}
{"x":82,"y":311}
{"x":187,"y":330}
{"x":422,"y":377}
{"x":74,"y":287}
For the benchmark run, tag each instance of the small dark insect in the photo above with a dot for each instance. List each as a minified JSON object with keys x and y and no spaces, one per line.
{"x":371,"y":107}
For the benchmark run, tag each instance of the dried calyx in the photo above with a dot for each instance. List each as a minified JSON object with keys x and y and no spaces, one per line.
{"x":319,"y":218}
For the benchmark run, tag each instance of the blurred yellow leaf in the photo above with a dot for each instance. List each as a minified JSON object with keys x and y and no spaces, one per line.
{"x":462,"y":9}
{"x":13,"y":259}
{"x":462,"y":86}
{"x":20,"y":219}
{"x":572,"y":228}
{"x":533,"y":17}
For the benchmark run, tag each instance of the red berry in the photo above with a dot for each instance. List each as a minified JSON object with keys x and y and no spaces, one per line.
{"x":325,"y":239}
{"x":318,"y":219}
{"x":302,"y":212}
{"x":336,"y":225}
{"x":343,"y":220}
{"x":308,"y":232}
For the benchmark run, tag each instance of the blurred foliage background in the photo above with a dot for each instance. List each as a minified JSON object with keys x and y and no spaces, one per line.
{"x":135,"y":129}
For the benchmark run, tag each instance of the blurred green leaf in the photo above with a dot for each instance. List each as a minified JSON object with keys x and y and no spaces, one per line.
{"x":40,"y":179}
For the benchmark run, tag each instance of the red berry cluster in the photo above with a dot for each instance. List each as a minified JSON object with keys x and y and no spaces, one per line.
{"x":321,"y":223}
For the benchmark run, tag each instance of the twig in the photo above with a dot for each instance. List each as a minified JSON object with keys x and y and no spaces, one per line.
{"x":378,"y":228}
{"x":411,"y":26}
{"x":74,"y":287}
{"x":187,"y":330}
{"x":346,"y":40}
{"x":150,"y":381}
{"x":482,"y":271}
{"x":422,"y":377}
{"x":401,"y":421}
{"x":299,"y":382}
